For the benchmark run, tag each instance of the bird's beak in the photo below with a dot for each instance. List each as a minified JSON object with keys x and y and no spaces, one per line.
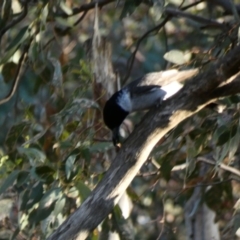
{"x":116,"y":137}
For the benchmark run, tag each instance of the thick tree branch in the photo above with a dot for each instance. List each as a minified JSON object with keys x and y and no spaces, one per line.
{"x":197,"y":93}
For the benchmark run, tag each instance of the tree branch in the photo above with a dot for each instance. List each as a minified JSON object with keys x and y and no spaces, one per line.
{"x":221,"y":165}
{"x":209,"y":22}
{"x":19,"y":72}
{"x":195,"y":95}
{"x":85,"y":8}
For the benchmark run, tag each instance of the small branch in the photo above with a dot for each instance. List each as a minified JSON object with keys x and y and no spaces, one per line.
{"x":66,"y":30}
{"x":101,"y":140}
{"x":221,"y":165}
{"x":145,"y":35}
{"x":19,"y":72}
{"x":81,"y":18}
{"x":85,"y":8}
{"x":211,"y":162}
{"x":21,"y":16}
{"x":209,"y":22}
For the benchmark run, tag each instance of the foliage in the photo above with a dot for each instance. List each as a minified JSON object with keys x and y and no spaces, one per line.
{"x":53,"y":151}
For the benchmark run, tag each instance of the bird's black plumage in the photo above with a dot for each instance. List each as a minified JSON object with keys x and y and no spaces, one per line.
{"x":113,"y":113}
{"x":113,"y":116}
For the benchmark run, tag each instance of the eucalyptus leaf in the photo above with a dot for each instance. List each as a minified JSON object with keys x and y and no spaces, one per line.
{"x":176,"y":57}
{"x":9,"y":181}
{"x":83,"y":190}
{"x":34,"y":155}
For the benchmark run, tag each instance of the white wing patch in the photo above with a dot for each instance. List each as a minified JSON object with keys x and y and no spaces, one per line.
{"x":171,"y":89}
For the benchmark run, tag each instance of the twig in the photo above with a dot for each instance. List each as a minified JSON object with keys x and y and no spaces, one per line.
{"x":163,"y":221}
{"x":132,"y":57}
{"x":81,"y":18}
{"x":19,"y":72}
{"x":221,"y":165}
{"x":209,"y":22}
{"x":85,"y":7}
{"x":101,"y":140}
{"x":211,"y":162}
{"x":21,"y":16}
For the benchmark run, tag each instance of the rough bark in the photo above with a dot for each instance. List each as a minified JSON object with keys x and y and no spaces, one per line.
{"x":197,"y":93}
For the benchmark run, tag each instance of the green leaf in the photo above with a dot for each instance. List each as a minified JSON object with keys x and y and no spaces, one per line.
{"x":133,"y":195}
{"x":18,"y":39}
{"x":100,"y":147}
{"x":32,"y":196}
{"x":166,"y":168}
{"x":129,"y":7}
{"x":64,"y":22}
{"x":195,"y":133}
{"x":22,"y":178}
{"x":178,"y":130}
{"x":69,"y":166}
{"x":51,"y":196}
{"x":234,"y":99}
{"x":45,"y":173}
{"x":33,"y":154}
{"x":8,"y":55}
{"x":83,"y":190}
{"x":15,"y":233}
{"x":176,"y":57}
{"x":13,"y":46}
{"x":46,"y":205}
{"x":86,"y":154}
{"x":157,"y":9}
{"x":40,"y":214}
{"x":224,"y":137}
{"x":57,"y":80}
{"x":167,"y":163}
{"x":9,"y":181}
{"x":219,"y":131}
{"x":60,"y":204}
{"x":73,"y":192}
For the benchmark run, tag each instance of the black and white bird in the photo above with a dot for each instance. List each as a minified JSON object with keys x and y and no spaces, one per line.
{"x":141,"y":94}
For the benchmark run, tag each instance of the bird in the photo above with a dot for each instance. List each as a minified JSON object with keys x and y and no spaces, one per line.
{"x":141,"y":94}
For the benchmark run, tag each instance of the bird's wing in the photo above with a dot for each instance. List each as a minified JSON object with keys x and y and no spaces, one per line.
{"x":162,"y":78}
{"x":141,"y":90}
